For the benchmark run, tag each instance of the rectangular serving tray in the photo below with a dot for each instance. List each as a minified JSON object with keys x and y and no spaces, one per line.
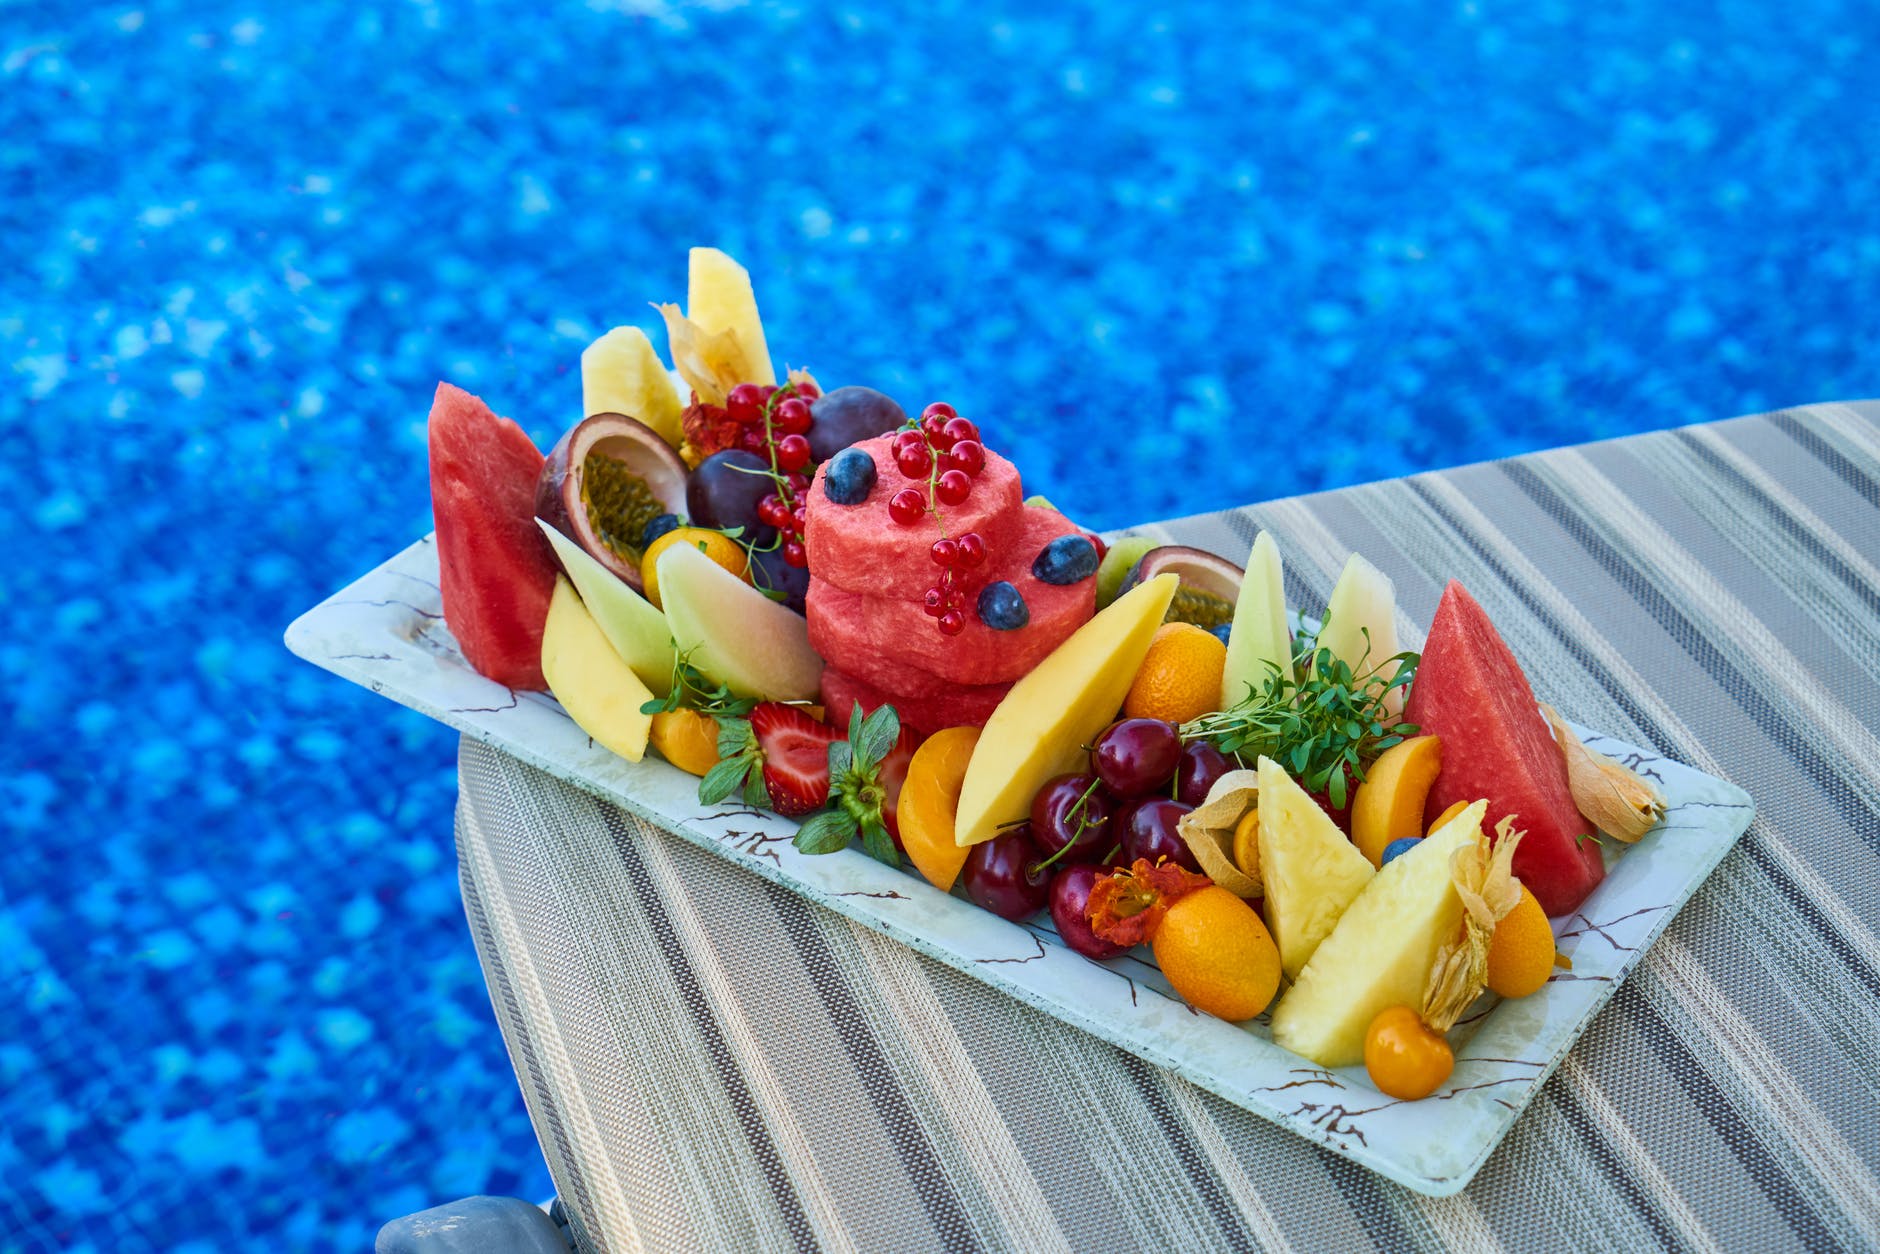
{"x":386,"y":632}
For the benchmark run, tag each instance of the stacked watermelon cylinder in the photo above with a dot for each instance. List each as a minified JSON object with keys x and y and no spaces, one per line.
{"x":869,"y":575}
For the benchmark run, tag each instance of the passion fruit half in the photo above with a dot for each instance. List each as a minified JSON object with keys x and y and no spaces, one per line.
{"x":605,"y":479}
{"x":1210,"y":585}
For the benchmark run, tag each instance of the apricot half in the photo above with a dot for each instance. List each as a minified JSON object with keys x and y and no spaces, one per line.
{"x":1390,"y":801}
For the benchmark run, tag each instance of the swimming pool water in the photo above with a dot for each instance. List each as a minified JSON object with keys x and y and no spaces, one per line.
{"x":1169,"y":261}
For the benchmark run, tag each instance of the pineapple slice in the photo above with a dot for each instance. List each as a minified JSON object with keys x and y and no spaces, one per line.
{"x":1363,"y":604}
{"x":1259,"y":634}
{"x":719,"y":299}
{"x":621,"y":374}
{"x":1309,"y":870}
{"x":1380,"y":953}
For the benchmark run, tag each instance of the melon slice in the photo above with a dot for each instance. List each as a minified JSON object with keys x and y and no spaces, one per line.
{"x":1309,"y":872}
{"x":1470,"y":691}
{"x":494,"y":568}
{"x":719,"y":299}
{"x":621,"y":374}
{"x":1380,"y":953}
{"x":599,"y":691}
{"x":1259,"y":640}
{"x":1042,"y":726}
{"x":1361,"y":622}
{"x":733,"y":633}
{"x":631,"y":623}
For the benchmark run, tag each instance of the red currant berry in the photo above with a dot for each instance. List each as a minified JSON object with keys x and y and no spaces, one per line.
{"x":794,"y":554}
{"x":807,"y":389}
{"x":907,"y":506}
{"x":1096,"y":542}
{"x":792,"y":415}
{"x":954,"y":487}
{"x":934,"y":604}
{"x":944,"y":552}
{"x":968,"y":456}
{"x":799,"y":483}
{"x":752,"y":440}
{"x":771,"y":511}
{"x":936,"y":434}
{"x":914,"y":460}
{"x":956,"y":597}
{"x":793,"y":451}
{"x":972,"y":550}
{"x":745,"y":404}
{"x":765,"y":391}
{"x":958,"y":429}
{"x":940,"y":410}
{"x":800,"y":516}
{"x":952,"y":623}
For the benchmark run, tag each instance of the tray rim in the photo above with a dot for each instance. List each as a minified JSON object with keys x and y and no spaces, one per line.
{"x":310,"y":637}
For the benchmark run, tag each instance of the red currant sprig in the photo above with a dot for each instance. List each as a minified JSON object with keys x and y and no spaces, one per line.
{"x":944,"y":449}
{"x":776,"y":424}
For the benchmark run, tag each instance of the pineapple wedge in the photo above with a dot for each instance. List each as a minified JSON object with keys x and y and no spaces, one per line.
{"x":1361,"y":622}
{"x":1380,"y":953}
{"x":1259,"y":634}
{"x":719,"y":299}
{"x":1309,"y":870}
{"x":621,"y":374}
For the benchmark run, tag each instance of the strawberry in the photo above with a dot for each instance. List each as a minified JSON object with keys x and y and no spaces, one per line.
{"x":893,"y":774}
{"x":795,"y":750}
{"x":778,"y":755}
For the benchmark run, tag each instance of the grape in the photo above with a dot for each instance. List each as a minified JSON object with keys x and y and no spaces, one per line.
{"x":723,"y":493}
{"x":1070,"y":899}
{"x":1053,"y":826}
{"x":1201,"y":764}
{"x":774,"y":572}
{"x":1146,"y":829}
{"x":1001,"y":875}
{"x":1136,"y":755}
{"x":847,"y":416}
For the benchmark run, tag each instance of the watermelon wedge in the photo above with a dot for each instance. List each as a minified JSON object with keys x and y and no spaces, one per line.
{"x":1470,"y":691}
{"x":495,"y":569}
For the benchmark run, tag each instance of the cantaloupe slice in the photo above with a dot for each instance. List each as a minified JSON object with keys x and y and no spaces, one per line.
{"x":733,"y":633}
{"x":1309,"y":871}
{"x":718,"y":299}
{"x":1380,"y":953}
{"x":621,"y":374}
{"x":1259,"y":635}
{"x":1042,"y":726}
{"x":1361,"y":622}
{"x":599,"y":691}
{"x":631,"y":623}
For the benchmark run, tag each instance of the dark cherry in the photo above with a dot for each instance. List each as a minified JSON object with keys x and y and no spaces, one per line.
{"x":1146,"y":829}
{"x":1001,"y":875}
{"x":1201,"y":764}
{"x":1070,"y":898}
{"x":1135,"y":756}
{"x":1053,"y":825}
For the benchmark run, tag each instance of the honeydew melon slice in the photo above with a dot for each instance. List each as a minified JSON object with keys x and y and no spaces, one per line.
{"x":1259,"y":635}
{"x":631,"y":623}
{"x":733,"y":633}
{"x":1361,"y":623}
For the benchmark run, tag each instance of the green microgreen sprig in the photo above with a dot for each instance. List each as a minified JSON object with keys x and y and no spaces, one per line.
{"x":691,"y":690}
{"x":1322,"y":723}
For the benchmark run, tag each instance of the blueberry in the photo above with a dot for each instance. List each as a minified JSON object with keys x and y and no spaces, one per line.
{"x":1222,"y":631}
{"x":1403,"y":844}
{"x":1066,"y":560}
{"x":656,"y":527}
{"x":850,"y":478}
{"x":1002,"y":607}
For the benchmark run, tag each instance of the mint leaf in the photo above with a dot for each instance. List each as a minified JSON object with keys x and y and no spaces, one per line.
{"x":825,"y":832}
{"x":734,"y":737}
{"x":724,"y":779}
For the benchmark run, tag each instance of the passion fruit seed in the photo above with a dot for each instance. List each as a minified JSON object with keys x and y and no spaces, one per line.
{"x":1203,"y":609}
{"x":619,"y":504}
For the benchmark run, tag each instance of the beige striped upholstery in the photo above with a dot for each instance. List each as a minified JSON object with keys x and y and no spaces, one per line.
{"x":713,"y":1063}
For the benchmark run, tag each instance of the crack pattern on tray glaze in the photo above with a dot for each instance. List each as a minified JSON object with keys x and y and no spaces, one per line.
{"x":754,"y":844}
{"x":1593,"y":928}
{"x":1315,"y":1076}
{"x":514,"y":699}
{"x":887,"y":896}
{"x":1017,"y":961}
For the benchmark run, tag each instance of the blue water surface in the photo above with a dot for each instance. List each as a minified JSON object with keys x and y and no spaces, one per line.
{"x":1172,"y":258}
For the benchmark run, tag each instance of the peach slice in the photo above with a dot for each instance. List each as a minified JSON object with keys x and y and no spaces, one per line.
{"x":1389,"y":804}
{"x":930,"y":801}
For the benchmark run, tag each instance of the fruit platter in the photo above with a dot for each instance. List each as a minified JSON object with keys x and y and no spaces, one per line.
{"x":1370,"y":893}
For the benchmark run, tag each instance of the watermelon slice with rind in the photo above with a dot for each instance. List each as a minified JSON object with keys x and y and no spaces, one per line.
{"x":1470,"y":691}
{"x":494,"y":568}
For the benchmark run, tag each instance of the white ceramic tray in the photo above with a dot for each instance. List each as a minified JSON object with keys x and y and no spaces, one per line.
{"x":386,"y":632}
